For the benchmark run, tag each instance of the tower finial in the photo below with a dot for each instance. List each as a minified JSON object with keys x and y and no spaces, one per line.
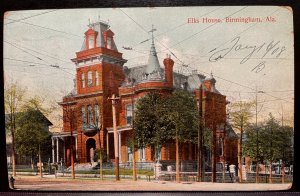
{"x":89,"y":21}
{"x":152,"y":30}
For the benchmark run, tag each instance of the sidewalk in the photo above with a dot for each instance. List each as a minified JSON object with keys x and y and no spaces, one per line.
{"x":84,"y":184}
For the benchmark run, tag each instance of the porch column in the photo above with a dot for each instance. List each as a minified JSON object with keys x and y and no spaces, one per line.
{"x":76,"y":147}
{"x":57,"y":150}
{"x":64,"y":158}
{"x":52,"y":138}
{"x":120,"y":147}
{"x":107,"y":147}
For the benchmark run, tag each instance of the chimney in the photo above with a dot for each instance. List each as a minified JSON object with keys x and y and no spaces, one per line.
{"x":168,"y":62}
{"x":207,"y":84}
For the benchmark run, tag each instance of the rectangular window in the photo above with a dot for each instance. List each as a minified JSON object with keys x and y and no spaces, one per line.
{"x":142,"y":156}
{"x":83,"y":116}
{"x":129,"y":154}
{"x":90,"y":81}
{"x":128,"y":114}
{"x":157,"y":153}
{"x":82,"y":80}
{"x":90,"y":115}
{"x":97,"y":78}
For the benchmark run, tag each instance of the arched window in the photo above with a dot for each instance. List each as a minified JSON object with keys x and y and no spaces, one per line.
{"x":90,"y":81}
{"x":97,"y":78}
{"x":90,"y":115}
{"x":97,"y":119}
{"x":83,"y":116}
{"x":91,"y":42}
{"x":82,"y":80}
{"x":108,"y":44}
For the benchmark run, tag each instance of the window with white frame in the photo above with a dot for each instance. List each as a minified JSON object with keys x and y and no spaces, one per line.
{"x":82,"y":80}
{"x":90,"y":80}
{"x":128,"y":114}
{"x":142,"y":156}
{"x":129,"y":154}
{"x":90,"y":115}
{"x":158,"y":153}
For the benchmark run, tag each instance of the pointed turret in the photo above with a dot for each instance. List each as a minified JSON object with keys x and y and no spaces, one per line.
{"x":153,"y":68}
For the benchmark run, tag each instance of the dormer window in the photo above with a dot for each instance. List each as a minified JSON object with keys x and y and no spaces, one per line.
{"x":91,"y":41}
{"x":108,"y":37}
{"x":108,"y":44}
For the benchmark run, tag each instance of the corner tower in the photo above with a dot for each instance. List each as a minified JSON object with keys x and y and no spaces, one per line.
{"x":99,"y":73}
{"x":98,"y":63}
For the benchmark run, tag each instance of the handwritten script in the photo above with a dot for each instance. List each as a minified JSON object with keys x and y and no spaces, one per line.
{"x":272,"y":49}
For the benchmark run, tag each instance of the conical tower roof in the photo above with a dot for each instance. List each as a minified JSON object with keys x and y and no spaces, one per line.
{"x":153,"y":66}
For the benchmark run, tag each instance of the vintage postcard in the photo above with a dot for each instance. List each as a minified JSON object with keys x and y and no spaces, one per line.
{"x":150,"y":99}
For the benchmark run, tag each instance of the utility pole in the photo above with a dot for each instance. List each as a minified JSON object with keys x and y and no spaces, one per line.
{"x":72,"y":155}
{"x":133,"y":136}
{"x":257,"y":169}
{"x":256,"y":127}
{"x":97,"y":116}
{"x":40,"y":162}
{"x":214,"y":142}
{"x":116,"y":143}
{"x":200,"y":137}
{"x":224,"y":149}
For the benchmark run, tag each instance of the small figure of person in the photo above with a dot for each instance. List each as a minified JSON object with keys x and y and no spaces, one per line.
{"x":232,"y":172}
{"x":61,"y":165}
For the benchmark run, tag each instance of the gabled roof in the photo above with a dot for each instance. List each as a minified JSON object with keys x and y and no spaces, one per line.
{"x":44,"y":118}
{"x":230,"y":133}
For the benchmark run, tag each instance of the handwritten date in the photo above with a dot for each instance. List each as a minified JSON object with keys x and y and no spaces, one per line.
{"x":266,"y":49}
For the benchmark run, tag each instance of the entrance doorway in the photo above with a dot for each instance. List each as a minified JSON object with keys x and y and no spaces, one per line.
{"x":90,"y":149}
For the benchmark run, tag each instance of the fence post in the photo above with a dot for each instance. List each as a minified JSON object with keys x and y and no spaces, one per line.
{"x":157,"y":170}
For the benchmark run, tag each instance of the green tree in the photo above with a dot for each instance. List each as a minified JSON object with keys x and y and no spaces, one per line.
{"x":148,"y":122}
{"x":159,"y":120}
{"x":274,"y":142}
{"x":14,"y":96}
{"x":182,"y":120}
{"x":32,"y":136}
{"x":240,"y":117}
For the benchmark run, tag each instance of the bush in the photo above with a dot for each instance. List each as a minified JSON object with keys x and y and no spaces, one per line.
{"x":97,"y":155}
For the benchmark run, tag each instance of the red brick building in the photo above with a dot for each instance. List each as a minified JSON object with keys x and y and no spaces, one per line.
{"x":100,"y":73}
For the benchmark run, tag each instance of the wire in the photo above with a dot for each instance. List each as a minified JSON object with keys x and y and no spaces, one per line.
{"x":12,"y":59}
{"x":176,"y":27}
{"x":15,"y":45}
{"x":46,"y":28}
{"x":29,"y":17}
{"x":23,"y":50}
